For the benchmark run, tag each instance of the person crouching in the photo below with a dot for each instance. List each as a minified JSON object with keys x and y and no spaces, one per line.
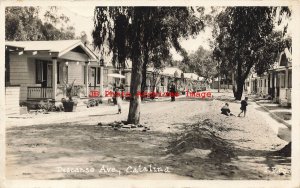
{"x":225,"y":110}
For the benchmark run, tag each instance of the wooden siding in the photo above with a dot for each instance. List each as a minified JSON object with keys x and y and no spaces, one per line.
{"x":12,"y":95}
{"x":76,"y":72}
{"x":22,"y":72}
{"x":75,"y":56}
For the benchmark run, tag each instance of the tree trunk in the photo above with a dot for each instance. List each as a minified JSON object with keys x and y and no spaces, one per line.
{"x":239,"y":90}
{"x":233,"y":84}
{"x":240,"y":80}
{"x":135,"y":98}
{"x":219,"y":83}
{"x":137,"y":63}
{"x":144,"y":77}
{"x":227,"y":82}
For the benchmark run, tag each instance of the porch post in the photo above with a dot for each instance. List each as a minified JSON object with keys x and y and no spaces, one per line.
{"x":286,"y":82}
{"x":87,"y":78}
{"x":275,"y":86}
{"x":286,"y":78}
{"x":101,"y":81}
{"x":54,"y":77}
{"x":250,"y":85}
{"x":279,"y":79}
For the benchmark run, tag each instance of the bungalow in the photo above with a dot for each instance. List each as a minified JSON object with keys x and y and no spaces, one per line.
{"x":194,"y":82}
{"x":39,"y":69}
{"x":280,"y":79}
{"x":161,"y":78}
{"x":277,"y":82}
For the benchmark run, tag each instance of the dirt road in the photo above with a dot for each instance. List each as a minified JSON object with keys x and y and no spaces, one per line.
{"x":79,"y":149}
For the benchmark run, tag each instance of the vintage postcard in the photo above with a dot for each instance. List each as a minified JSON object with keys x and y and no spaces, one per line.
{"x":152,"y":94}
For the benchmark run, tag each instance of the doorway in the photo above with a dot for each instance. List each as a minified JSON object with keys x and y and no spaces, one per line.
{"x":49,"y":75}
{"x":92,"y":77}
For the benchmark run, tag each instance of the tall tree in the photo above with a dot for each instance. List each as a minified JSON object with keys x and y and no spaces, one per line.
{"x":244,"y":33}
{"x":143,"y":34}
{"x":203,"y":64}
{"x":24,"y":23}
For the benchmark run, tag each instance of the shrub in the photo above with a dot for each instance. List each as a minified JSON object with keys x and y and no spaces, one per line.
{"x":47,"y":105}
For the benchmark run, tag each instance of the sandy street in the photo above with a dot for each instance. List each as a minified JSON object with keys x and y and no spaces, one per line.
{"x":76,"y":148}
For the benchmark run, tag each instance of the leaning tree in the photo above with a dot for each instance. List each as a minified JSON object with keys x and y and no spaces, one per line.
{"x":246,"y":39}
{"x":143,"y":34}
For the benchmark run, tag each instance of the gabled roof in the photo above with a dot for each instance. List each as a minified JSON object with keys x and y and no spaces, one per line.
{"x":192,"y":76}
{"x":59,"y":46}
{"x":168,"y":71}
{"x":285,"y":58}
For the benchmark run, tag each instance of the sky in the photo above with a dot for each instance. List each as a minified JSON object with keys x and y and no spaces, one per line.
{"x":82,"y":19}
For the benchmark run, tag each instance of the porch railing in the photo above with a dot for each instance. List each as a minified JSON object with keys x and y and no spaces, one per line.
{"x":94,"y":88}
{"x":39,"y":92}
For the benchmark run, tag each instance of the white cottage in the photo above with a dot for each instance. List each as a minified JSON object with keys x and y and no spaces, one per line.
{"x":277,"y":82}
{"x":38,"y":69}
{"x":280,"y":78}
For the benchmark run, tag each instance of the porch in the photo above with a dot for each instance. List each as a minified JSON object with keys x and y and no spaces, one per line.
{"x":41,"y":93}
{"x":43,"y":68}
{"x":281,"y":85}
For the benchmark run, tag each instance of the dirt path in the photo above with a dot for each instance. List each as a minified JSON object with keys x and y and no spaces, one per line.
{"x":49,"y":151}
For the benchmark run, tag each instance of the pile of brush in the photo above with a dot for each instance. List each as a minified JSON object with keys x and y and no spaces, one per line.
{"x":117,"y":125}
{"x":202,"y":135}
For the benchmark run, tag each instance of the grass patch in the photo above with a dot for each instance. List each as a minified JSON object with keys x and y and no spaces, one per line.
{"x":284,"y":115}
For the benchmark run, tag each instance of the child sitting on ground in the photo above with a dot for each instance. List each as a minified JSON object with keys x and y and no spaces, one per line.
{"x":225,"y":110}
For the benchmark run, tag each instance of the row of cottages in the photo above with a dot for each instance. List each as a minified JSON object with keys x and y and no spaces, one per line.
{"x":194,"y":82}
{"x":224,"y":83}
{"x":275,"y":84}
{"x":36,"y":70}
{"x":161,"y":80}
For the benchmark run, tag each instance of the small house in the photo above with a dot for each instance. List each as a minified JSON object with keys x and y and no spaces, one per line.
{"x":38,"y":70}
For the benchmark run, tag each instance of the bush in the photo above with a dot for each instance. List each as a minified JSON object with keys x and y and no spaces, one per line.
{"x":47,"y":105}
{"x":94,"y":102}
{"x":23,"y":103}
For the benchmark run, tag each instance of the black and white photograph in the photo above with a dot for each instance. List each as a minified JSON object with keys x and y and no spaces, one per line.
{"x":99,"y":92}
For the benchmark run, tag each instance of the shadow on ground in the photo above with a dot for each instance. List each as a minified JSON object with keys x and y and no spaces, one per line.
{"x":196,"y":152}
{"x":110,"y":114}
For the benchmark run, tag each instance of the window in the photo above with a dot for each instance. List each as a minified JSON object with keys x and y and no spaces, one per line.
{"x":162,"y":81}
{"x":282,"y":81}
{"x":62,"y":73}
{"x":65,"y":73}
{"x":105,"y":77}
{"x":277,"y":79}
{"x":290,"y":79}
{"x":44,"y":72}
{"x":41,"y":71}
{"x":7,"y":68}
{"x":261,"y":83}
{"x":98,"y":75}
{"x":85,"y":81}
{"x":58,"y":78}
{"x":265,"y":83}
